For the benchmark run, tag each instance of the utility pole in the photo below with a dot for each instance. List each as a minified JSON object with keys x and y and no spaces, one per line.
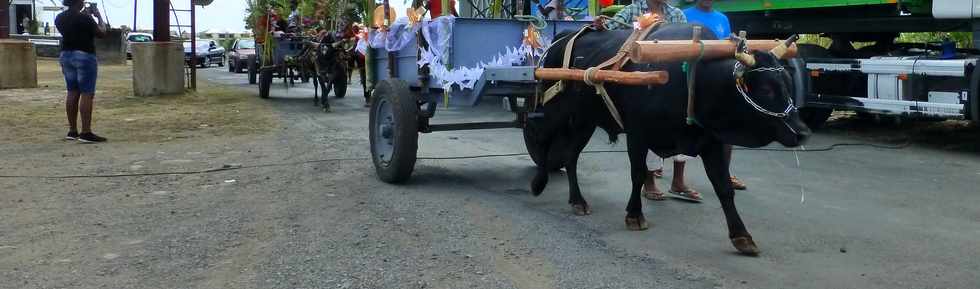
{"x":161,"y":20}
{"x":4,"y":21}
{"x":135,"y":4}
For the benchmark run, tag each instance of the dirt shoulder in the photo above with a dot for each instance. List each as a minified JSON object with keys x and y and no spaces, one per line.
{"x":37,"y":115}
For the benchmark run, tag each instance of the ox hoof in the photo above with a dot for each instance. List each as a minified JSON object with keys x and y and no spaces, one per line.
{"x":581,"y":209}
{"x":745,"y":245}
{"x":538,"y":184}
{"x":636,"y":224}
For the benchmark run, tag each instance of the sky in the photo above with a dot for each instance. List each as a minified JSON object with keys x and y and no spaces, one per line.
{"x":220,"y":15}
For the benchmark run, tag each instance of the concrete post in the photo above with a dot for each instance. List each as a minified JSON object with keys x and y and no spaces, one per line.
{"x":158,"y":68}
{"x":111,"y":50}
{"x":19,"y":64}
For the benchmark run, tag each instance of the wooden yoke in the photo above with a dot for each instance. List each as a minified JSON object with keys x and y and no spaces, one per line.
{"x":611,"y":76}
{"x":666,"y":51}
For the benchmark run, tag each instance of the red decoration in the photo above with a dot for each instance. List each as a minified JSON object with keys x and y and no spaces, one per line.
{"x":605,"y":3}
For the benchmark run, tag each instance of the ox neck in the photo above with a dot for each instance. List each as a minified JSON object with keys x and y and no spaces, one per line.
{"x":708,"y":85}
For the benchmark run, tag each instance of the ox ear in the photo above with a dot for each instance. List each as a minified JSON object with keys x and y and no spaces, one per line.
{"x":780,"y":50}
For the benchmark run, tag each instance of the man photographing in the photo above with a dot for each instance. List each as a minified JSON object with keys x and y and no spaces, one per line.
{"x":79,"y":65}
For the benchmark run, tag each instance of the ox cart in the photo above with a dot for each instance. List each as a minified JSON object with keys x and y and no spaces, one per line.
{"x":277,"y":58}
{"x":406,"y":95}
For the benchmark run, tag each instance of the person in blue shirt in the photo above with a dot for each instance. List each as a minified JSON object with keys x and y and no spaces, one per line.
{"x":703,"y":13}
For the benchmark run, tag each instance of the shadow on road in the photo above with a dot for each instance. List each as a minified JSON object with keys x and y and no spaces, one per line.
{"x":950,"y":135}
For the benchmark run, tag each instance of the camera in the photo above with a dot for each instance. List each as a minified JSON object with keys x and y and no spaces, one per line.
{"x":90,"y":8}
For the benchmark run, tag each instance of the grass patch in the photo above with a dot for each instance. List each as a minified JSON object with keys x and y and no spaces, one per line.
{"x":38,"y":115}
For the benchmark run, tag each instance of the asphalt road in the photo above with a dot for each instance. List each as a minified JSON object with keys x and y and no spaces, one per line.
{"x":853,"y":217}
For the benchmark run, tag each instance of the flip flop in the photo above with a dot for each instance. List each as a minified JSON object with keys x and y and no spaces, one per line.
{"x":654,"y":196}
{"x":690,"y":195}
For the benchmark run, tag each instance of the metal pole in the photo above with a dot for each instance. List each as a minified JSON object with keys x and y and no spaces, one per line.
{"x":369,"y":72}
{"x":134,"y":14}
{"x":4,"y":21}
{"x":161,"y":20}
{"x":392,"y":64}
{"x":194,"y":47}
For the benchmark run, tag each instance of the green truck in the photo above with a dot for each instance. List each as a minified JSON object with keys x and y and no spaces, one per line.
{"x":865,"y":67}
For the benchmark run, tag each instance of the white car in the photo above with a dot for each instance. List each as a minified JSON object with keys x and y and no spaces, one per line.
{"x":136,"y":37}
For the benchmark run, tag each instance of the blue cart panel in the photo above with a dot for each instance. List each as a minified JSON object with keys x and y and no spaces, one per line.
{"x":473,"y":40}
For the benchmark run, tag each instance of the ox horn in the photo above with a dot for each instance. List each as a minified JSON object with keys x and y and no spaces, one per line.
{"x":747,"y":59}
{"x":780,"y":50}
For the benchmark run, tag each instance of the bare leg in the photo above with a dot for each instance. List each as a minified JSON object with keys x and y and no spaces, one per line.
{"x":678,"y":185}
{"x":650,"y":190}
{"x":678,"y":181}
{"x":85,"y":103}
{"x":71,"y":110}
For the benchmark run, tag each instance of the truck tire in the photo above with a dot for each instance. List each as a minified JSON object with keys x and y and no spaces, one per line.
{"x":973,"y":103}
{"x":814,"y":117}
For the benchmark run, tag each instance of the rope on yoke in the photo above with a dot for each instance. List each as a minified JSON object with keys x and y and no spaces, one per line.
{"x":691,"y":76}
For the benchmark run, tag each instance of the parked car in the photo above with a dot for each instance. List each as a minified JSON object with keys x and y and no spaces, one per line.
{"x":136,"y":37}
{"x":208,"y":52}
{"x":238,"y":56}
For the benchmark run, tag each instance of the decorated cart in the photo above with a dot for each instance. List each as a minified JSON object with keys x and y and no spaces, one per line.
{"x":419,"y":65}
{"x":287,"y":32}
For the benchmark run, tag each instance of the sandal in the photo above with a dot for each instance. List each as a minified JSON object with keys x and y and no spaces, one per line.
{"x":737,"y":184}
{"x":654,"y":195}
{"x":689,"y":194}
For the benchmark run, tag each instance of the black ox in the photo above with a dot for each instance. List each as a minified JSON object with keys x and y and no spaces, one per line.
{"x":654,"y":118}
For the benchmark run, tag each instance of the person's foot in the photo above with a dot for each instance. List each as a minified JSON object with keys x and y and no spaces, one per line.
{"x":88,"y":137}
{"x":685,"y":192}
{"x":659,"y":173}
{"x":737,"y":184}
{"x":650,"y":190}
{"x":72,"y":135}
{"x":653,"y":194}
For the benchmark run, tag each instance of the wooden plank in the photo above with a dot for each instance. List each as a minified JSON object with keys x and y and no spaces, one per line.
{"x":666,"y":51}
{"x":608,"y":76}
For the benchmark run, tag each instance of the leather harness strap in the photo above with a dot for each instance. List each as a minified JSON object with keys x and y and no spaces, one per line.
{"x":559,"y":86}
{"x":615,"y":63}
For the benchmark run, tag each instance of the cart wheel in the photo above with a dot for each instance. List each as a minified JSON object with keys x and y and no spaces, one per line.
{"x":206,"y":63}
{"x":340,"y":86}
{"x":265,"y":80}
{"x":535,"y":151}
{"x":252,"y":69}
{"x":394,"y":131}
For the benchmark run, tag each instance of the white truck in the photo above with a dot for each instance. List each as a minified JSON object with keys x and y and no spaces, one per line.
{"x":866,"y":68}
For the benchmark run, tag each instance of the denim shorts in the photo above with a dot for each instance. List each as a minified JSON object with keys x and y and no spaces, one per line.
{"x":80,"y":69}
